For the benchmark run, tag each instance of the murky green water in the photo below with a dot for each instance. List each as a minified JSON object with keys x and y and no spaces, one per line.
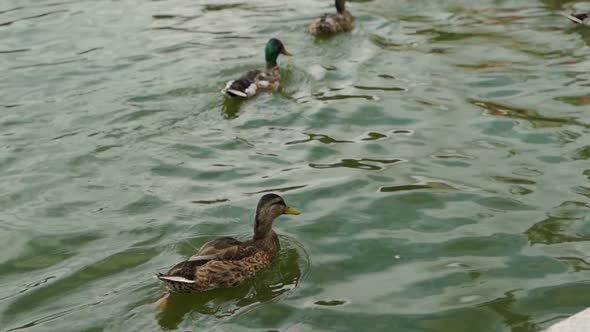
{"x":439,"y":154}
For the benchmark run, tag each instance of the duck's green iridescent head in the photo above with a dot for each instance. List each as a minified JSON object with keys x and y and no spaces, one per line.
{"x":340,"y":5}
{"x":274,"y":47}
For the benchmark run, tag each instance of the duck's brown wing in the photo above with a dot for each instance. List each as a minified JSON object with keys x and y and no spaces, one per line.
{"x":225,"y":248}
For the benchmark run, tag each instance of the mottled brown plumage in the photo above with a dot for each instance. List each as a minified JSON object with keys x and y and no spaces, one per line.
{"x":225,"y":262}
{"x":332,"y":23}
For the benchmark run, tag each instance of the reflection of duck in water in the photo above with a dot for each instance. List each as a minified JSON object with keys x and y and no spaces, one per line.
{"x":226,"y":262}
{"x":281,"y":277}
{"x":581,"y":18}
{"x":332,"y":23}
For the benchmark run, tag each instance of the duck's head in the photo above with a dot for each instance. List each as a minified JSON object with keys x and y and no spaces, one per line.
{"x":269,"y":208}
{"x":340,"y":5}
{"x":274,"y":47}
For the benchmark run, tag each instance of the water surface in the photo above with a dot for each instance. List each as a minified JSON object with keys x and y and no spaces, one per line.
{"x":439,"y":154}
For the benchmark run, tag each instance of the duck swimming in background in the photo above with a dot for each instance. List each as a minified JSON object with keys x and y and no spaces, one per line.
{"x":581,"y":18}
{"x":332,"y":23}
{"x":225,"y":262}
{"x":256,"y":81}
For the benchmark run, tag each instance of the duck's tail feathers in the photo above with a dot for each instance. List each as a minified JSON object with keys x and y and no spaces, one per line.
{"x":243,"y":87}
{"x":574,"y":18}
{"x":227,"y":86}
{"x":235,"y":93}
{"x":166,"y":278}
{"x":227,"y":90}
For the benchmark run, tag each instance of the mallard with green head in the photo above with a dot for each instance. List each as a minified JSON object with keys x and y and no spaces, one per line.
{"x":580,"y":18}
{"x":225,"y":262}
{"x":256,"y":81}
{"x":332,"y":23}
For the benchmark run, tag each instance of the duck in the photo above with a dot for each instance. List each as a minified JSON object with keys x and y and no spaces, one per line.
{"x":580,"y":18}
{"x":226,"y":261}
{"x":256,"y":81}
{"x":332,"y":23}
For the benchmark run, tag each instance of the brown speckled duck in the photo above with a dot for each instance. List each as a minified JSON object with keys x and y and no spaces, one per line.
{"x":225,"y":262}
{"x":332,"y":23}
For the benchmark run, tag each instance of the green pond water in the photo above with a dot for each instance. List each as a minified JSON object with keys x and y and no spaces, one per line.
{"x":439,"y":153}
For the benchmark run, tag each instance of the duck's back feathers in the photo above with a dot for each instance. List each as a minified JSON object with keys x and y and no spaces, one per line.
{"x":225,"y":248}
{"x":331,"y":23}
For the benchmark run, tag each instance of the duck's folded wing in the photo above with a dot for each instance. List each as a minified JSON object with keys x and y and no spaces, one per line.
{"x":225,"y":248}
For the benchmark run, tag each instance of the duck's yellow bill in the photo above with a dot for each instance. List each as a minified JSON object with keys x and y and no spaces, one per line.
{"x":285,"y":52}
{"x":290,"y":210}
